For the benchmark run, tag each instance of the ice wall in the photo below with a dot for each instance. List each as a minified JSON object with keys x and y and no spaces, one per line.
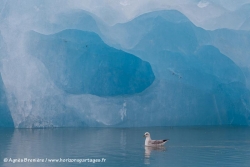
{"x":67,"y":68}
{"x":5,"y":115}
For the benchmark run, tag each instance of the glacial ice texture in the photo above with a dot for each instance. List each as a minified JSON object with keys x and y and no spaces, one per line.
{"x":66,"y":68}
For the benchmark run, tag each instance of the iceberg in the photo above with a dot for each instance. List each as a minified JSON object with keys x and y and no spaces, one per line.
{"x":5,"y":118}
{"x":67,"y":68}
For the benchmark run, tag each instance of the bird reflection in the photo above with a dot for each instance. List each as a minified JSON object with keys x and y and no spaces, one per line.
{"x":148,"y":151}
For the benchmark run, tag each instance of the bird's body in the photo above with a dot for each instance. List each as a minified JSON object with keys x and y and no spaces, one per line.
{"x":154,"y":143}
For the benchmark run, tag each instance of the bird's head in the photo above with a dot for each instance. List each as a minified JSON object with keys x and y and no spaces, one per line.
{"x":146,"y":134}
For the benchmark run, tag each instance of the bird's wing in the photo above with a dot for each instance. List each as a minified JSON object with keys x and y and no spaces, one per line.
{"x":158,"y":141}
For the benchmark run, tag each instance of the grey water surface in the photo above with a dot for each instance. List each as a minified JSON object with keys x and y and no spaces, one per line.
{"x":187,"y":146}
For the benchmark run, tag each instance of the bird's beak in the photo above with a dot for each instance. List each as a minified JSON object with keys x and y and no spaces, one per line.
{"x":144,"y":136}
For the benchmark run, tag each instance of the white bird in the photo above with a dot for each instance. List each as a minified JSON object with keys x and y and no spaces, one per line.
{"x":154,"y":143}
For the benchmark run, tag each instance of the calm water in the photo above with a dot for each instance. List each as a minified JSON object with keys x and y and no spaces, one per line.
{"x":189,"y":146}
